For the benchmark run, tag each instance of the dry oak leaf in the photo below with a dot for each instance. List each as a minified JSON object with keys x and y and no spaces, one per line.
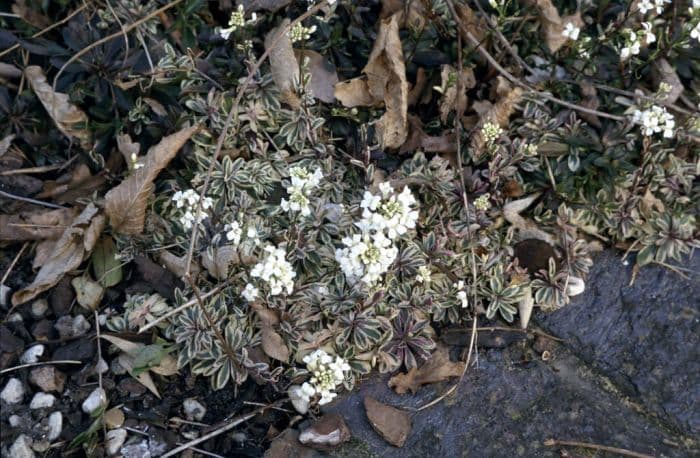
{"x":663,"y":72}
{"x":69,"y":119}
{"x":436,"y":369}
{"x":126,"y":203}
{"x":177,"y":264}
{"x":498,"y":114}
{"x":386,"y":80}
{"x":273,"y":344}
{"x":69,"y":252}
{"x":454,"y":90}
{"x":283,"y":64}
{"x":415,"y":18}
{"x":354,"y":93}
{"x":36,"y":226}
{"x":553,"y":24}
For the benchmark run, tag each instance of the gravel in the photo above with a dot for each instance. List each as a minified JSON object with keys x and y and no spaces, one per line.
{"x":13,"y":391}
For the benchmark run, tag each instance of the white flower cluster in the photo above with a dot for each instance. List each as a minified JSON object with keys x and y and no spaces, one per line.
{"x":633,"y":42}
{"x":461,"y":293}
{"x":482,"y":202}
{"x":188,"y":201}
{"x":326,"y":374}
{"x":385,"y":217}
{"x":424,"y":275}
{"x":491,"y":132}
{"x":571,"y":31}
{"x":298,"y":32}
{"x":275,"y":270}
{"x":302,"y":184}
{"x":236,"y":21}
{"x":234,"y":233}
{"x":649,"y":5}
{"x":654,"y":120}
{"x":250,"y":292}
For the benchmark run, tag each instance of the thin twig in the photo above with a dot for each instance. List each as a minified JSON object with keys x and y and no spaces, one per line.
{"x":42,"y":169}
{"x":619,"y":451}
{"x":41,"y":363}
{"x":29,"y":200}
{"x":14,"y":261}
{"x":232,"y":424}
{"x":123,"y":31}
{"x":181,"y":308}
{"x":47,"y":29}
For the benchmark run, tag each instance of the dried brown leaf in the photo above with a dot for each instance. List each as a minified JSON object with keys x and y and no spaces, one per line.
{"x":42,"y":253}
{"x":88,"y":292}
{"x":127,"y":147}
{"x":283,"y":64}
{"x":528,"y":229}
{"x":218,"y":264}
{"x":69,"y":119}
{"x":273,"y":344}
{"x":417,"y":89}
{"x":437,"y":369}
{"x":5,"y":143}
{"x":553,"y":24}
{"x":411,"y":13}
{"x":354,"y":93}
{"x":126,"y":204}
{"x":69,"y":187}
{"x":393,"y":424}
{"x":36,"y":226}
{"x":323,"y":74}
{"x":417,"y":138}
{"x":386,"y":80}
{"x":474,"y":24}
{"x":68,"y":254}
{"x":454,"y":90}
{"x":177,"y":264}
{"x":590,"y":100}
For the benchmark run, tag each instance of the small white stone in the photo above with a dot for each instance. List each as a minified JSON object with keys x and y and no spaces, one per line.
{"x":115,"y":440}
{"x":101,"y":367}
{"x":55,"y":426}
{"x":32,"y":354}
{"x":97,"y":399}
{"x":194,"y":410}
{"x":14,"y":420}
{"x":80,"y":325}
{"x":15,"y":318}
{"x":42,"y":401}
{"x":41,"y":445}
{"x":576,"y":286}
{"x":13,"y":391}
{"x":4,"y":295}
{"x":22,"y":447}
{"x":39,"y":308}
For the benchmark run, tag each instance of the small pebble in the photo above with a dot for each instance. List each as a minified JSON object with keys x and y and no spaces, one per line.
{"x":13,"y":391}
{"x":55,"y":426}
{"x":5,"y":295}
{"x":48,"y":378}
{"x":15,"y":318}
{"x":115,"y":440}
{"x":22,"y":448}
{"x":194,"y":410}
{"x":39,"y":308}
{"x":97,"y":399}
{"x":32,"y":354}
{"x":101,"y":367}
{"x":14,"y":420}
{"x":41,"y":445}
{"x":80,"y":325}
{"x":64,"y":326}
{"x":42,"y":401}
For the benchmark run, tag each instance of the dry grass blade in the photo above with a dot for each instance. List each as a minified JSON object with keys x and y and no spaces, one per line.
{"x":126,"y":204}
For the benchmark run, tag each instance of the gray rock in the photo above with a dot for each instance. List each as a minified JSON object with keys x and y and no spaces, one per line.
{"x":94,"y":401}
{"x":64,"y":326}
{"x":194,"y":410}
{"x":114,"y":441}
{"x":32,"y":354}
{"x":55,"y":426}
{"x":80,"y":325}
{"x":13,"y":391}
{"x":42,"y":401}
{"x":48,"y":378}
{"x":39,"y":308}
{"x":82,"y":350}
{"x":9,"y":342}
{"x":22,"y":448}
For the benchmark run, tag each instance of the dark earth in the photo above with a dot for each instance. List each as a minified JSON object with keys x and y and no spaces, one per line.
{"x":626,"y":376}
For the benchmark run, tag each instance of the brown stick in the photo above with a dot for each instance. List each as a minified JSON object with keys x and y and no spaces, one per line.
{"x":620,"y":451}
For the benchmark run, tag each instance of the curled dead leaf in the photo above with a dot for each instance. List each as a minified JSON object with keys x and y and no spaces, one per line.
{"x":323,"y":74}
{"x":663,"y":72}
{"x":127,"y":147}
{"x":454,"y":90}
{"x":273,"y":344}
{"x":527,"y":228}
{"x":88,"y":292}
{"x":283,"y":64}
{"x":69,"y":119}
{"x":589,"y":100}
{"x":177,"y":264}
{"x":69,"y":252}
{"x":36,"y":226}
{"x":410,"y":13}
{"x":126,"y":203}
{"x":354,"y":93}
{"x":218,"y":263}
{"x":436,"y":369}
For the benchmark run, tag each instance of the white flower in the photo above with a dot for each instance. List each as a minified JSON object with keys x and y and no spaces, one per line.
{"x":250,"y":292}
{"x":326,"y":374}
{"x":300,"y":395}
{"x":276,"y":271}
{"x":393,"y":214}
{"x":461,"y":293}
{"x":648,"y":5}
{"x":571,"y":31}
{"x":234,"y":232}
{"x":649,"y":36}
{"x":632,"y":47}
{"x":695,"y":32}
{"x":299,"y":32}
{"x":135,"y":164}
{"x":654,"y":120}
{"x":424,"y":274}
{"x":366,"y":256}
{"x":253,"y":235}
{"x":236,"y":21}
{"x":188,"y":201}
{"x":302,"y":185}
